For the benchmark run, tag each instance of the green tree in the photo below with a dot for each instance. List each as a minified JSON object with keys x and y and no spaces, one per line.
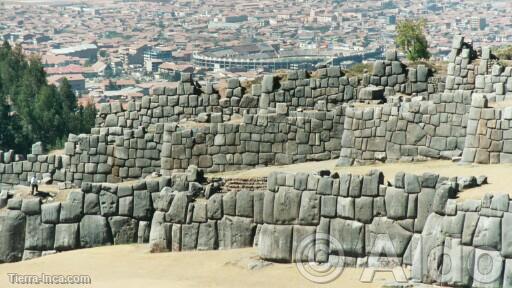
{"x":68,"y":95}
{"x":31,"y":110}
{"x":410,"y":38}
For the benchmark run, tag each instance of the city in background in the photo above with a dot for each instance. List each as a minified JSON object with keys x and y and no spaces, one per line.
{"x":121,"y":50}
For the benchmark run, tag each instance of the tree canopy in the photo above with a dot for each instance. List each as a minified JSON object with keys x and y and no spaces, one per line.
{"x":31,"y":110}
{"x":410,"y":38}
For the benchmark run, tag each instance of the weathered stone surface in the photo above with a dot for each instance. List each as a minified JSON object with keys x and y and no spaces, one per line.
{"x":72,"y":209}
{"x":66,"y":237}
{"x":275,"y":243}
{"x":457,"y":270}
{"x":396,"y":203}
{"x":470,"y":224}
{"x":142,"y":205}
{"x":236,"y":232}
{"x":425,"y":201}
{"x":309,"y":213}
{"x":38,"y":236}
{"x":345,"y":208}
{"x":325,"y":186}
{"x":412,"y":183}
{"x":386,"y":237}
{"x":214,"y":207}
{"x":488,"y":267}
{"x":286,"y":206}
{"x":126,"y":206}
{"x":178,"y":211}
{"x":12,"y":236}
{"x":50,"y":213}
{"x":91,"y":204}
{"x":124,"y":229}
{"x":31,"y":206}
{"x":488,"y":233}
{"x":189,"y":233}
{"x":245,"y":203}
{"x":364,"y":209}
{"x":229,"y":203}
{"x":160,"y":233}
{"x":163,"y":199}
{"x":207,"y":238}
{"x":299,"y":235}
{"x":94,"y":231}
{"x":328,"y":206}
{"x":351,"y":236}
{"x":143,"y":232}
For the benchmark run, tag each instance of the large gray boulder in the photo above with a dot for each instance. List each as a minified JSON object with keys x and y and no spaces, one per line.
{"x":160,"y":233}
{"x":163,"y":199}
{"x":31,"y":206}
{"x":12,"y":236}
{"x":142,"y":205}
{"x":124,"y":229}
{"x":457,"y":268}
{"x":126,"y":206}
{"x":236,"y":232}
{"x":351,"y":235}
{"x":396,"y":203}
{"x":178,"y":211}
{"x":229,"y":203}
{"x":286,"y":206}
{"x":214,"y":207}
{"x":94,"y":231}
{"x":309,"y":213}
{"x":108,"y":204}
{"x":425,"y":202}
{"x":207,"y":238}
{"x":39,"y":236}
{"x":303,"y":240}
{"x":488,"y":233}
{"x":72,"y":209}
{"x":245,"y":204}
{"x":386,"y":237}
{"x":50,"y":213}
{"x":275,"y":243}
{"x":66,"y":237}
{"x":91,"y":204}
{"x":189,"y":234}
{"x":267,"y":84}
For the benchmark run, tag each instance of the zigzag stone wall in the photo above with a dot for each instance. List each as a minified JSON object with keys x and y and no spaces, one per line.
{"x":418,"y":215}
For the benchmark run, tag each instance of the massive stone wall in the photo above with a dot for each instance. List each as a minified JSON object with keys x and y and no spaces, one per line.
{"x":437,"y":125}
{"x":95,"y":215}
{"x":416,"y":222}
{"x":417,"y":215}
{"x":488,"y":139}
{"x":106,"y":155}
{"x":260,"y":140}
{"x":407,"y":131}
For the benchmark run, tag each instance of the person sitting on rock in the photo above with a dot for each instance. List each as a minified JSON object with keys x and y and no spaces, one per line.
{"x":33,"y":184}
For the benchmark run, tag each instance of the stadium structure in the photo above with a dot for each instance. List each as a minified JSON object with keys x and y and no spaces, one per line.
{"x":271,"y":58}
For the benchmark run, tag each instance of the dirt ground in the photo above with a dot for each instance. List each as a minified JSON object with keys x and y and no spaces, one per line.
{"x":498,"y":175}
{"x":131,"y":266}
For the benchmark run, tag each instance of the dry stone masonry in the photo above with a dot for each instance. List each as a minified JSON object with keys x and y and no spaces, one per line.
{"x":167,"y":141}
{"x":415,"y":218}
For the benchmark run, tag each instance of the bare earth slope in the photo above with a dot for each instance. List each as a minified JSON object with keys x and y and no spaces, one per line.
{"x":131,"y":266}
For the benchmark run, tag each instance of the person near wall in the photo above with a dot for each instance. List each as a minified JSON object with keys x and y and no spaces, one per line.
{"x":34,"y":185}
